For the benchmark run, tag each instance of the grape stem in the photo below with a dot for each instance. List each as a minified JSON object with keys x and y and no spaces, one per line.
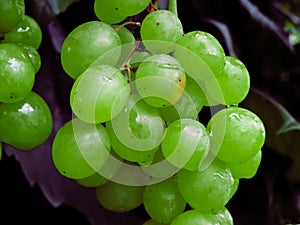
{"x":126,"y":63}
{"x":172,"y":6}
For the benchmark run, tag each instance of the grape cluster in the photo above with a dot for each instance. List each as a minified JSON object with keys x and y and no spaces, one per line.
{"x":137,"y":137}
{"x":25,"y":118}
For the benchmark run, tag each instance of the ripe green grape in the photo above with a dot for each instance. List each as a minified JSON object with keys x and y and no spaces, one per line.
{"x":160,"y":80}
{"x":195,"y":217}
{"x":106,"y":12}
{"x":27,"y":31}
{"x":11,"y":12}
{"x":152,"y":222}
{"x":237,"y":134}
{"x":224,"y":217}
{"x":160,"y":30}
{"x":25,"y":124}
{"x":186,"y":143}
{"x":163,"y":201}
{"x":137,"y":131}
{"x":246,"y":169}
{"x":130,"y":7}
{"x":17,"y":73}
{"x":88,"y":43}
{"x":189,"y":104}
{"x":106,"y":172}
{"x":234,"y":81}
{"x":120,"y":7}
{"x":125,"y":35}
{"x":79,"y":149}
{"x":235,"y":187}
{"x":208,"y":190}
{"x":118,"y":197}
{"x":94,"y":180}
{"x":204,"y":45}
{"x":99,"y":94}
{"x":33,"y":55}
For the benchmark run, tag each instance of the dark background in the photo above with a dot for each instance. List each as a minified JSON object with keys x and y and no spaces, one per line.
{"x":258,"y":37}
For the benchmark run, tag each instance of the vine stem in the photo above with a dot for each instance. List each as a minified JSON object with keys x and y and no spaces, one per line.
{"x":172,"y":6}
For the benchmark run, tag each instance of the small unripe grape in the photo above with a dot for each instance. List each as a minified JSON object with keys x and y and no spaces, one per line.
{"x":118,"y":197}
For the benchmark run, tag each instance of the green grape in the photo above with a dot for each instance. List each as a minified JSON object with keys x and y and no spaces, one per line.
{"x":11,"y":12}
{"x":234,"y":81}
{"x":224,"y":217}
{"x":90,"y":42}
{"x":235,"y":187}
{"x":118,"y":197}
{"x":186,"y":144}
{"x":17,"y":73}
{"x":155,"y":74}
{"x":94,"y":180}
{"x":195,"y":217}
{"x":33,"y":55}
{"x":205,"y":46}
{"x":79,"y":149}
{"x":163,"y":201}
{"x":137,"y":131}
{"x":117,"y":8}
{"x":106,"y":172}
{"x":189,"y":104}
{"x":27,"y":31}
{"x":27,"y":123}
{"x":208,"y":190}
{"x":126,"y":36}
{"x":152,"y":222}
{"x":246,"y":169}
{"x":237,"y":134}
{"x":99,"y":94}
{"x":160,"y":30}
{"x":106,"y":12}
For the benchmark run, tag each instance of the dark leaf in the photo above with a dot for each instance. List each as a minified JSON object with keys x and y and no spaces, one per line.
{"x":45,"y":10}
{"x":266,"y":22}
{"x":283,"y":131}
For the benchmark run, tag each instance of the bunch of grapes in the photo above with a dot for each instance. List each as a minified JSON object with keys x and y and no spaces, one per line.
{"x":25,"y":118}
{"x":137,"y":135}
